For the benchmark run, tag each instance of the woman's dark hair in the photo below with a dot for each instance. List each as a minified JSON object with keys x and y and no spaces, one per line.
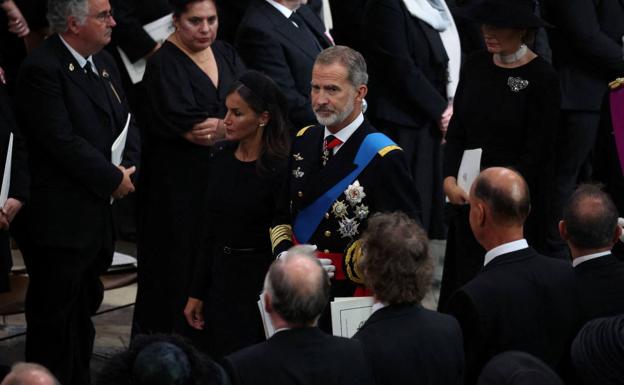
{"x":161,"y":359}
{"x":262,"y":94}
{"x":179,"y":6}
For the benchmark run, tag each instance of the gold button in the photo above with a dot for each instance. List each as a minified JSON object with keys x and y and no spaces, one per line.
{"x":326,"y":251}
{"x":326,"y":215}
{"x":328,"y":233}
{"x":300,"y":194}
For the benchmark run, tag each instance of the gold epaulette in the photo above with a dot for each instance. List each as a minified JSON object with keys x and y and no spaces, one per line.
{"x":279,"y":234}
{"x":387,"y":149}
{"x":303,"y":130}
{"x":352,"y":262}
{"x":617,"y":83}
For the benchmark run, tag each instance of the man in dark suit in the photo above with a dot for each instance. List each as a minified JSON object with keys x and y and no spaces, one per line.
{"x":71,"y":109}
{"x":587,"y":52}
{"x":296,"y":291}
{"x":590,"y":227}
{"x":404,"y":342}
{"x":521,"y":300}
{"x":340,"y":173}
{"x":281,"y":38}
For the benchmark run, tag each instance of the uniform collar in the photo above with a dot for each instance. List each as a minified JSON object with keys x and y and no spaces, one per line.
{"x":345,"y":133}
{"x":505,"y":248}
{"x":79,"y":58}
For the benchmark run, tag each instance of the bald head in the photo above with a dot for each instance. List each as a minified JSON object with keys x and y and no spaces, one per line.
{"x":298,"y":286}
{"x":29,"y":374}
{"x":506,"y":194}
{"x":590,"y":218}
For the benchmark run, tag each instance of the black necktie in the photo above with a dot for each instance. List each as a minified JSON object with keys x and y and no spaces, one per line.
{"x":301,"y":24}
{"x":92,"y":76}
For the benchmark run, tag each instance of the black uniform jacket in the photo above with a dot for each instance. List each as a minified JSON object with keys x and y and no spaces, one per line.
{"x":70,"y":123}
{"x":600,"y":285}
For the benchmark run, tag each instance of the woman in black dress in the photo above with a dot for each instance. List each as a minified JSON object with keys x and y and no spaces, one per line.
{"x":507,"y":104}
{"x":186,"y":82}
{"x":245,"y":178}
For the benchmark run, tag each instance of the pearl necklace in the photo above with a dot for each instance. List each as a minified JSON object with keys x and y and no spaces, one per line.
{"x":513,"y":57}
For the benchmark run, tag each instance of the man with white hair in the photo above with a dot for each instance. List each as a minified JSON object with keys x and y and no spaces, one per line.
{"x":29,"y":374}
{"x":71,"y":108}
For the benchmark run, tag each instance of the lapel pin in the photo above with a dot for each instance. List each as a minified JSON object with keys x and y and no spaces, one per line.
{"x":298,"y":156}
{"x":105,"y":74}
{"x":71,"y":67}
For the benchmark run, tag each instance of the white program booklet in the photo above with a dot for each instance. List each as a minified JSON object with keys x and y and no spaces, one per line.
{"x":469,"y":168}
{"x":159,"y":30}
{"x":269,"y":330}
{"x":349,"y":314}
{"x":119,"y":145}
{"x":6,"y":177}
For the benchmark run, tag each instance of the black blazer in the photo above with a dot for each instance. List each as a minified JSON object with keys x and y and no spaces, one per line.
{"x":520,"y":301}
{"x":408,"y":344}
{"x":69,"y":127}
{"x":407,"y":64}
{"x":304,"y":356}
{"x":270,"y":43}
{"x":587,"y":48}
{"x":131,"y":16}
{"x":600,"y":285}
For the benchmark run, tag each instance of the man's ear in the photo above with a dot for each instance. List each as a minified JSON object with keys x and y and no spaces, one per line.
{"x":361,"y":93}
{"x":268,"y":302}
{"x":563,"y":231}
{"x":482,"y":213}
{"x":618,"y":234}
{"x":73,"y":25}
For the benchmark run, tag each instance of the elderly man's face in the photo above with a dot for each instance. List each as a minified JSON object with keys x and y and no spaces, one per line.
{"x":333,"y":96}
{"x":98,"y":26}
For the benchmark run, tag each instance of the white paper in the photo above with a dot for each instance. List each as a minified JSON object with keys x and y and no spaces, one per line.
{"x":119,"y":145}
{"x":349,"y":314}
{"x":269,"y":330}
{"x":6,"y":177}
{"x":120,"y":259}
{"x":469,"y":169}
{"x":158,"y":30}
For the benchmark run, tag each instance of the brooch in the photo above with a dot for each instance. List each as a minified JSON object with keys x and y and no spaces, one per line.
{"x":297,"y":173}
{"x":348,"y":228}
{"x":298,"y":157}
{"x":355,"y":193}
{"x":339,"y":209}
{"x":517,"y":84}
{"x":361,"y":211}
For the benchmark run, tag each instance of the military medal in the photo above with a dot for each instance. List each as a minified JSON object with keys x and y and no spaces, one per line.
{"x":361,"y":211}
{"x":355,"y":193}
{"x":297,"y":173}
{"x":348,"y":228}
{"x":298,"y":157}
{"x":339,"y":209}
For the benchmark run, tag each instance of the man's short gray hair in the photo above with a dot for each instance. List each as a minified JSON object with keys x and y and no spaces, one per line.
{"x":60,"y":10}
{"x":351,"y":59}
{"x":298,"y":302}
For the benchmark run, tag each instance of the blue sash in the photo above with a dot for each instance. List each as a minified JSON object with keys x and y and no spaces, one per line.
{"x":308,"y":219}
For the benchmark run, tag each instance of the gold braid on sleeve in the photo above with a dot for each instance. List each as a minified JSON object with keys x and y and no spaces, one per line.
{"x":279,"y":234}
{"x":352,"y":262}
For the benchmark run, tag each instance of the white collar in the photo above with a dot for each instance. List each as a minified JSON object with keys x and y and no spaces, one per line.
{"x":505,"y":248}
{"x":432,"y":12}
{"x":345,"y":133}
{"x":284,"y":10}
{"x":378,"y":306}
{"x":79,"y":58}
{"x":280,"y":330}
{"x":584,"y":258}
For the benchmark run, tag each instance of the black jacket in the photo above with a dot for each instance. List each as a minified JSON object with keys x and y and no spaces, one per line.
{"x":408,"y":344}
{"x":600,"y":284}
{"x":303,"y":356}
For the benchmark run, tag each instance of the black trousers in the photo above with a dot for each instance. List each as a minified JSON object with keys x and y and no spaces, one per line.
{"x":64,"y":291}
{"x":575,"y":142}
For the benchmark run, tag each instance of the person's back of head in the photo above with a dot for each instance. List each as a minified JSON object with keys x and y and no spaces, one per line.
{"x":499,"y":205}
{"x":297,"y":287}
{"x":517,"y":368}
{"x":396,"y":263}
{"x":590,"y":220}
{"x":29,"y":374}
{"x":161,"y":360}
{"x":598,"y":351}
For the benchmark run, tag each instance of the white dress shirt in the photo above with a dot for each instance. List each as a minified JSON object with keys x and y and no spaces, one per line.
{"x":81,"y":60}
{"x":346,"y":131}
{"x":505,"y":248}
{"x":579,"y":260}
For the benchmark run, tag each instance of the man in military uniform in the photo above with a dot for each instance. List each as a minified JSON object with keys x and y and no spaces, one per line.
{"x":341,"y":172}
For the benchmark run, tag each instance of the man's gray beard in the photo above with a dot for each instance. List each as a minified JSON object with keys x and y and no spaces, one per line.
{"x":336,"y":118}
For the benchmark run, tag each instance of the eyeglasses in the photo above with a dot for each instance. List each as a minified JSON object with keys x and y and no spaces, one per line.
{"x":103,"y":16}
